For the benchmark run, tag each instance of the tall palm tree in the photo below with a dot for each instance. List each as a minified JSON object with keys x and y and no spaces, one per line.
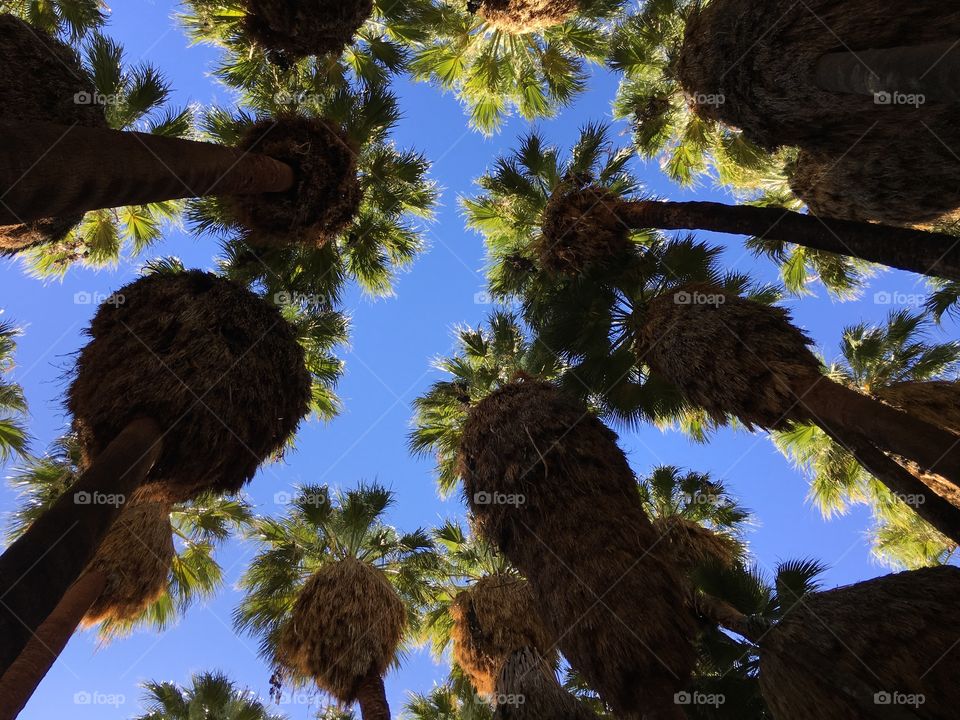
{"x":13,"y":403}
{"x":72,"y":18}
{"x":537,"y":468}
{"x":334,"y":591}
{"x":501,"y":56}
{"x":633,"y":312}
{"x":160,"y":404}
{"x":133,"y":97}
{"x":876,"y":360}
{"x":379,"y":235}
{"x":210,"y":695}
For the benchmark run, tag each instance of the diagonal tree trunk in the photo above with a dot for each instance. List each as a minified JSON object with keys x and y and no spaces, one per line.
{"x":927,"y":253}
{"x":930,"y":70}
{"x":57,"y":170}
{"x":20,"y":681}
{"x":372,"y":697}
{"x":37,"y":570}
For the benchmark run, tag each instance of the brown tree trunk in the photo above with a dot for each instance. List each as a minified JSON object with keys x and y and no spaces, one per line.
{"x":372,"y":698}
{"x":841,"y":411}
{"x":927,"y":253}
{"x":37,"y":569}
{"x":20,"y":681}
{"x":930,"y":70}
{"x":527,"y":689}
{"x":56,"y":170}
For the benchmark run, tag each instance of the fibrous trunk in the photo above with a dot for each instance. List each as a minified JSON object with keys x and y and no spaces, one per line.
{"x":538,"y":469}
{"x":524,"y":16}
{"x":527,"y":689}
{"x":372,"y":698}
{"x":865,"y":651}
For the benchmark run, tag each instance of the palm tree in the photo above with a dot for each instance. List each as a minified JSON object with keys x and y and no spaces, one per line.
{"x":537,"y":468}
{"x":132,"y":98}
{"x":72,"y":18}
{"x":203,"y":351}
{"x":210,"y":695}
{"x":633,"y":313}
{"x":378,"y":235}
{"x":500,"y":56}
{"x":333,"y":592}
{"x":13,"y":403}
{"x":486,"y":359}
{"x":455,"y":700}
{"x":487,"y":611}
{"x":879,"y":360}
{"x":811,"y":644}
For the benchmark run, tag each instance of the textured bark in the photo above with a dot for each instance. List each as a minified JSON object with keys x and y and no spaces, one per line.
{"x":527,"y":689}
{"x":930,"y":70}
{"x":54,"y":170}
{"x":21,"y":680}
{"x":927,"y":253}
{"x":372,"y":698}
{"x":40,"y":566}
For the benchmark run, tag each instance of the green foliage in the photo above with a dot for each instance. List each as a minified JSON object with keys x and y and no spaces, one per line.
{"x":454,"y":700}
{"x":322,"y":527}
{"x":70,"y":18}
{"x":495,"y":72}
{"x":210,"y":695}
{"x":874,"y":357}
{"x":485,"y":358}
{"x":13,"y":403}
{"x":199,"y":528}
{"x":134,"y":97}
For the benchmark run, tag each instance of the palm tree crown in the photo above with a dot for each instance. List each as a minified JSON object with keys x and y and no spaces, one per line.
{"x":73,"y":18}
{"x":209,"y":695}
{"x":13,"y":403}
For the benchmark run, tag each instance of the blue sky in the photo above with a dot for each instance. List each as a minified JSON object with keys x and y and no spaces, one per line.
{"x":388,"y":364}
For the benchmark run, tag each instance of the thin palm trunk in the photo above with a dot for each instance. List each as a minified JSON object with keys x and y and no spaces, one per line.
{"x":372,"y":698}
{"x":37,"y":569}
{"x":56,"y":170}
{"x":20,"y":681}
{"x":927,"y":253}
{"x":929,"y":70}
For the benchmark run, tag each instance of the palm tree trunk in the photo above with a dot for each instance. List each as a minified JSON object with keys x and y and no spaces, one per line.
{"x":935,"y":510}
{"x":841,"y":411}
{"x":930,"y":70}
{"x":927,"y":253}
{"x":20,"y":681}
{"x":37,"y":569}
{"x":372,"y":698}
{"x":527,"y":689}
{"x":55,"y":171}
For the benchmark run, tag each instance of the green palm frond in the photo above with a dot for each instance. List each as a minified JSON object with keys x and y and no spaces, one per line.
{"x":13,"y":403}
{"x":209,"y":695}
{"x":71,"y":18}
{"x":669,"y":491}
{"x":497,"y":71}
{"x":454,"y":700}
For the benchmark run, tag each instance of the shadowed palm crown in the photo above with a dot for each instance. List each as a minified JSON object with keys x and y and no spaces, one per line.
{"x":874,"y":357}
{"x":199,"y":528}
{"x":590,"y":318}
{"x":486,"y":358}
{"x":318,"y":529}
{"x":495,"y":70}
{"x":209,"y":695}
{"x":133,"y":97}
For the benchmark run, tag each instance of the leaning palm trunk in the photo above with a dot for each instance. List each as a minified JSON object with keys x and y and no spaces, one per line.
{"x":882,"y":648}
{"x":54,"y":170}
{"x":130,"y":570}
{"x":732,"y":356}
{"x":37,"y":569}
{"x":538,"y":468}
{"x":927,"y":253}
{"x":22,"y":678}
{"x":929,"y":70}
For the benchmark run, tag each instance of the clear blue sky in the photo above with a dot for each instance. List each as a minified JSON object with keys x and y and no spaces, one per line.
{"x":389,"y":364}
